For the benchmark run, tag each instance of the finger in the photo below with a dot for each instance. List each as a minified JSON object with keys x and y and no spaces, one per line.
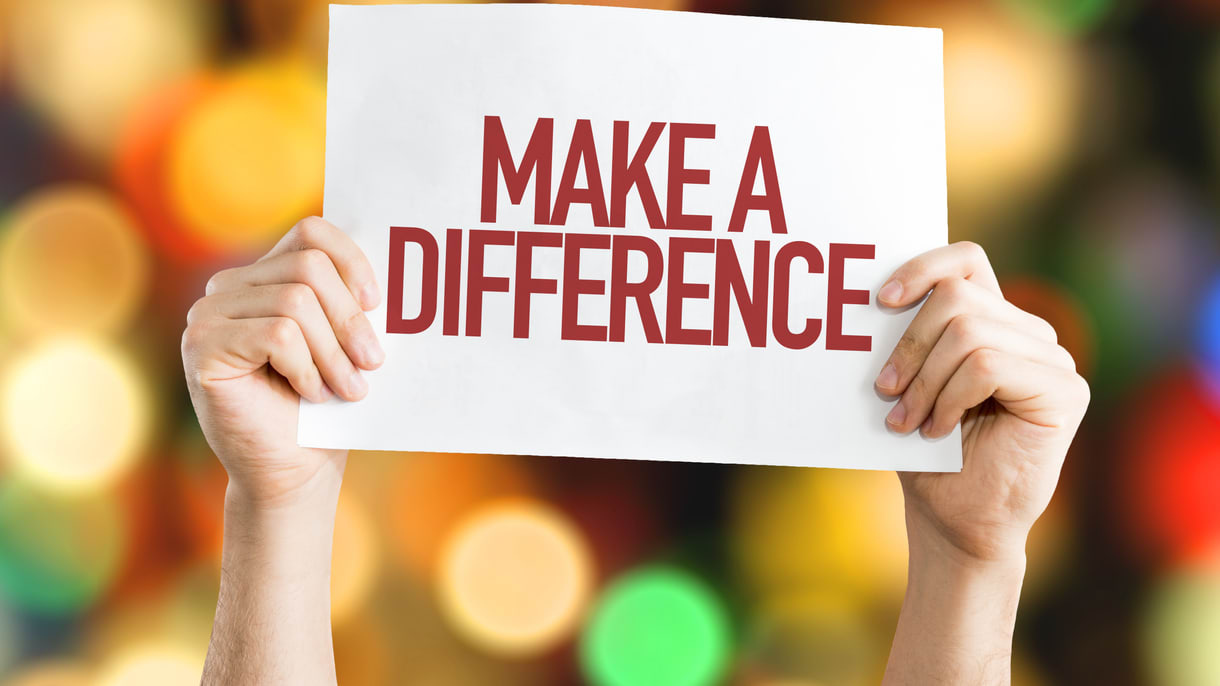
{"x":297,"y":302}
{"x":1038,"y":393}
{"x":964,"y":260}
{"x":964,"y":335}
{"x":223,"y":348}
{"x":952,"y":297}
{"x":349,"y":260}
{"x":315,"y":269}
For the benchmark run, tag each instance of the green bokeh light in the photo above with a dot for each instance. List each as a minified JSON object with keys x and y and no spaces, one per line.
{"x":656,"y":626}
{"x":57,"y":553}
{"x":1068,"y":16}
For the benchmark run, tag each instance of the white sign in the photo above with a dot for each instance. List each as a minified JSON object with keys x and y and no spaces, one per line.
{"x":606,"y":232}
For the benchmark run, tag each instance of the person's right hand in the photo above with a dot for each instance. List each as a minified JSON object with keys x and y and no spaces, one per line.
{"x":290,"y":324}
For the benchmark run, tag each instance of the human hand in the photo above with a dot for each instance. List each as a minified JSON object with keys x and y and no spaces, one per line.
{"x":291,"y":324}
{"x":970,"y":356}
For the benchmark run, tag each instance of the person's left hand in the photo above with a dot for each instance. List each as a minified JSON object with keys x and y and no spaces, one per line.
{"x":971,"y":356}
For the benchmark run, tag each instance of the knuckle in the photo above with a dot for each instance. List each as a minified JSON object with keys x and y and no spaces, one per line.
{"x":313,"y":264}
{"x":1047,"y":328}
{"x":973,"y":251}
{"x":194,"y":312}
{"x":1084,"y":393}
{"x":965,"y":329}
{"x":1066,"y":357}
{"x":282,"y":332}
{"x":295,"y":297}
{"x":217,"y":281}
{"x":311,"y":230}
{"x":954,"y":291}
{"x":984,"y":362}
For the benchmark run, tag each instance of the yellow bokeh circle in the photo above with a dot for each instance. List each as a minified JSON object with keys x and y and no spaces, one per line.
{"x":84,"y":63}
{"x":153,"y":664}
{"x":1012,"y":107}
{"x":355,"y":560}
{"x":515,"y":577}
{"x":71,"y":260}
{"x":807,"y":529}
{"x":247,"y":162}
{"x":74,"y":414}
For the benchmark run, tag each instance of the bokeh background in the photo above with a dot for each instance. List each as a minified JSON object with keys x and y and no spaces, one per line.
{"x":145,"y":144}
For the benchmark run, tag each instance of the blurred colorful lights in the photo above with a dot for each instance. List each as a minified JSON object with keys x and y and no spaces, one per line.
{"x":856,"y":518}
{"x":50,"y":674}
{"x":84,"y":62}
{"x":1011,"y":107}
{"x":1182,"y":629}
{"x":432,"y":491}
{"x":71,"y":260}
{"x":153,"y":664}
{"x":515,"y":577}
{"x":1168,"y":495}
{"x":74,"y":414}
{"x":355,"y":560}
{"x":246,"y":163}
{"x":57,"y":553}
{"x":1208,"y":338}
{"x":656,"y":626}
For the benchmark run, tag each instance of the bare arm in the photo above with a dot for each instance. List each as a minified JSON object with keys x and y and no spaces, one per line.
{"x":290,"y":325}
{"x":971,"y":357}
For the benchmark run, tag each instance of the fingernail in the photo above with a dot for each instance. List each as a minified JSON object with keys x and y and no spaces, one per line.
{"x":357,"y":385}
{"x":324,"y":393}
{"x":897,"y":415}
{"x":891,"y":292}
{"x":926,"y":426}
{"x":888,"y":378}
{"x":370,"y":295}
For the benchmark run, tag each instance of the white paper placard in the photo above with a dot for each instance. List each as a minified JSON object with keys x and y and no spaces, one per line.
{"x":837,"y":129}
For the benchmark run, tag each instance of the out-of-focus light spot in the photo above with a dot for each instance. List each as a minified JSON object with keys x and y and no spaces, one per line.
{"x":304,"y":25}
{"x":73,"y":414}
{"x":84,"y":62}
{"x":51,"y":674}
{"x":10,"y":639}
{"x":1012,"y":103}
{"x":515,"y":577}
{"x":799,"y":528}
{"x":1069,"y":16}
{"x":57,"y":554}
{"x":656,"y":627}
{"x":1209,"y":339}
{"x":355,"y":560}
{"x":431,"y":491}
{"x":153,"y":664}
{"x":361,"y":652}
{"x":823,"y":637}
{"x":1151,"y":279}
{"x":1058,"y":307}
{"x":1182,"y":629}
{"x":1169,"y":473}
{"x":71,"y":260}
{"x":246,"y":163}
{"x":140,"y":163}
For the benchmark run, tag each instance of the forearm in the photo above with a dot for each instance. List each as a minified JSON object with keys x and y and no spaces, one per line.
{"x":957,"y":618}
{"x":272,"y":621}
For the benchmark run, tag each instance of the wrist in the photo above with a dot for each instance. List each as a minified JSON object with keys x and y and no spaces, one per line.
{"x":284,"y":537}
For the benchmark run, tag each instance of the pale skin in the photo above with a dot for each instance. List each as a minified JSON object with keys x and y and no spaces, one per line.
{"x":293,"y":324}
